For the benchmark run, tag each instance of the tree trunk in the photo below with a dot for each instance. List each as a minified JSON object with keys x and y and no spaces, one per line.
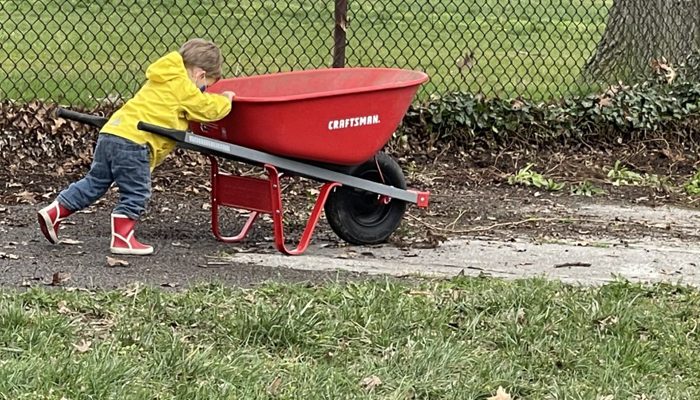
{"x":639,"y":31}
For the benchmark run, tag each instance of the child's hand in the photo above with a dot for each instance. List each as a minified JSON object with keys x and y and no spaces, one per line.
{"x":229,"y":94}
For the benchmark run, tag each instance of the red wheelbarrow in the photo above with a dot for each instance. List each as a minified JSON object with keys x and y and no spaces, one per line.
{"x":328,"y":125}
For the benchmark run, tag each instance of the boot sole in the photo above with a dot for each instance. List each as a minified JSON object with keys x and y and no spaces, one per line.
{"x":44,"y":223}
{"x":131,"y":252}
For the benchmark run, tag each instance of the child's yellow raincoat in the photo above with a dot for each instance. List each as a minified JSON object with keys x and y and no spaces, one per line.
{"x":168,"y":99}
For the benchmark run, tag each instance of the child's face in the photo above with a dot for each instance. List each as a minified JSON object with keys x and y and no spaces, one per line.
{"x":200,"y":79}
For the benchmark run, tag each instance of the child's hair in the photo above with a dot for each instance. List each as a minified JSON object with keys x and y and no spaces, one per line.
{"x":202,"y":54}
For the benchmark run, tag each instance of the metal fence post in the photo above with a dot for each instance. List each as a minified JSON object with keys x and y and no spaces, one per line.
{"x":339,"y":33}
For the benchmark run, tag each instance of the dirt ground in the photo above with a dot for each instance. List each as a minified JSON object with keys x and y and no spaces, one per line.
{"x":476,"y":224}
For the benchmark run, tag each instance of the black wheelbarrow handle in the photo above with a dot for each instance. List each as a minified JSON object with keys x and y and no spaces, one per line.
{"x":93,"y":120}
{"x":174,"y":134}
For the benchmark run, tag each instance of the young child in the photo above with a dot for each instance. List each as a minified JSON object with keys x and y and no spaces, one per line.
{"x":172,"y":95}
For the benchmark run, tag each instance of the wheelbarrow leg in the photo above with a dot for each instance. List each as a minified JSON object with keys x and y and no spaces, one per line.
{"x":278,"y":213}
{"x":215,"y":204}
{"x":231,"y":239}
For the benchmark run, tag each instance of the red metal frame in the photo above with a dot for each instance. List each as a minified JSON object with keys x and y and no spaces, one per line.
{"x":259,"y":196}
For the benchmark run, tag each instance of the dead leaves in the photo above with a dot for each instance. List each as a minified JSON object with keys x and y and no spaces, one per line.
{"x":661,"y":67}
{"x":274,"y":388}
{"x":59,"y":278}
{"x":71,"y":242}
{"x":8,"y":256}
{"x":32,"y":134}
{"x":115,"y":262}
{"x":62,"y":308}
{"x":370,"y":382}
{"x":604,"y":102}
{"x":132,"y":290}
{"x":606,"y":323}
{"x":501,"y":394}
{"x":83,"y":346}
{"x":25,"y":197}
{"x":466,"y":63}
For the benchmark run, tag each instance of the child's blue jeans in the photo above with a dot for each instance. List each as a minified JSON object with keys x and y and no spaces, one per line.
{"x":115,"y":160}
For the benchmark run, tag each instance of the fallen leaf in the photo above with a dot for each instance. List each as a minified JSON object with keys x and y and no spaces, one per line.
{"x":70,"y":241}
{"x":8,"y":256}
{"x":501,"y":394}
{"x":133,"y":290}
{"x":115,"y":262}
{"x":169,"y":284}
{"x":274,"y":387}
{"x":607,"y":321}
{"x":466,"y":62}
{"x":3,"y":209}
{"x":83,"y":346}
{"x":370,"y":382}
{"x":250,"y":298}
{"x":604,"y":102}
{"x":62,"y":309}
{"x":59,"y":277}
{"x":178,"y":244}
{"x":26,"y":197}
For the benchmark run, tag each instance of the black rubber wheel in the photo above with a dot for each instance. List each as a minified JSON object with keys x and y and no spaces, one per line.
{"x":358,"y":216}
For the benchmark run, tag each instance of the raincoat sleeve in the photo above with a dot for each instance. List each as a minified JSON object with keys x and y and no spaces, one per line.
{"x":203,"y":107}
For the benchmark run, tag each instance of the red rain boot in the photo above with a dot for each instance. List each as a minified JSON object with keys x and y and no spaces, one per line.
{"x":123,"y":239}
{"x":50,"y":218}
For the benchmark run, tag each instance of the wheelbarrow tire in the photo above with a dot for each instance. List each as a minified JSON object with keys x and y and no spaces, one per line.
{"x":358,"y":216}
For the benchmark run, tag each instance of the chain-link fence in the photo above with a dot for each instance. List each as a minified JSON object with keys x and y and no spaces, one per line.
{"x":84,"y":51}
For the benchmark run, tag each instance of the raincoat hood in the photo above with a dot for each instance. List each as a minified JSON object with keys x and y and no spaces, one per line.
{"x":169,"y":67}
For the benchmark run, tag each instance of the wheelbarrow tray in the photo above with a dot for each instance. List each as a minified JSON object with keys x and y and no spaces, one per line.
{"x":335,"y":116}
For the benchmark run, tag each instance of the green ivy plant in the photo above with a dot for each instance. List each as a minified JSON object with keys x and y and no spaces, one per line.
{"x":587,"y":189}
{"x":619,"y":113}
{"x":527,"y":177}
{"x":692,"y":186}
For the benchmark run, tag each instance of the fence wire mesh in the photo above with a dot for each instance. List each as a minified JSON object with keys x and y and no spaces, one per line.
{"x":86,"y":51}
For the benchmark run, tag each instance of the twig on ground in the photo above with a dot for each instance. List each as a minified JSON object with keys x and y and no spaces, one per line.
{"x":449,"y":145}
{"x":573,"y":264}
{"x":452,"y":224}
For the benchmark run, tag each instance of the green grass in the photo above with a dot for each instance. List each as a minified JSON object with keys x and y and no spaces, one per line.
{"x":449,"y":340}
{"x":77,"y":51}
